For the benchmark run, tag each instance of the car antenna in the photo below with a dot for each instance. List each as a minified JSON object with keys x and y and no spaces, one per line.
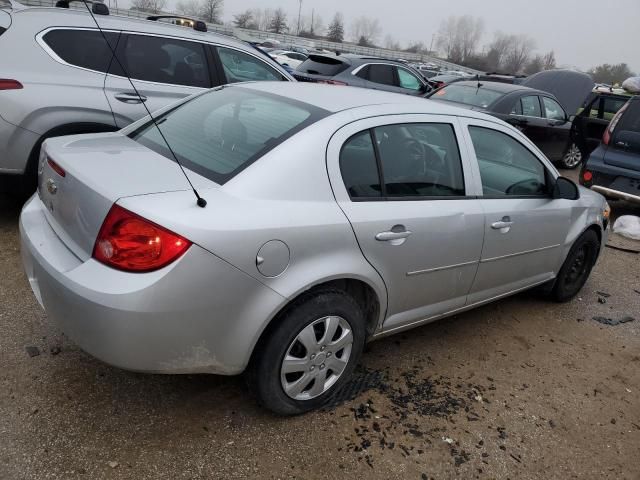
{"x":201,"y":202}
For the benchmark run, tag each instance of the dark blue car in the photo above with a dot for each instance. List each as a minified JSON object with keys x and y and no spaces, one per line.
{"x":613,"y":168}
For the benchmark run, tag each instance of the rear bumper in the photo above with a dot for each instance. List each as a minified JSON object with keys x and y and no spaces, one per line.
{"x":198,"y":315}
{"x":617,"y":194}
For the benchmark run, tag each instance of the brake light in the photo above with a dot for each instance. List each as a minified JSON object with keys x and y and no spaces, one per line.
{"x":8,"y":84}
{"x":56,"y":168}
{"x":128,"y":242}
{"x":587,"y":176}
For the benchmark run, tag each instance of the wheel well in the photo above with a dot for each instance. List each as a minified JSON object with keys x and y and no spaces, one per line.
{"x":598,"y":232}
{"x":360,"y":291}
{"x":69,"y":129}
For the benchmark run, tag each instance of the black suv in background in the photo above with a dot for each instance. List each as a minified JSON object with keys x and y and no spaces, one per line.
{"x":590,"y":123}
{"x":613,"y":168}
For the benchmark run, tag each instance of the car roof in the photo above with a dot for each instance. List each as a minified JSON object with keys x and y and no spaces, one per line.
{"x":63,"y":17}
{"x":502,"y":87}
{"x":339,"y":98}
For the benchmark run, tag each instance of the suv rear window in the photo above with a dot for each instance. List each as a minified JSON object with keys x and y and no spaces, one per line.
{"x":82,"y":48}
{"x":322,"y":65}
{"x":220,"y":133}
{"x":479,"y":97}
{"x":630,"y":120}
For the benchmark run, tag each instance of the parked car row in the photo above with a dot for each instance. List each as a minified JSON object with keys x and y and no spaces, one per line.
{"x":79,"y":87}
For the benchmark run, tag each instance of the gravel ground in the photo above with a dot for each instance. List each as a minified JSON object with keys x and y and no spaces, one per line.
{"x":522,"y":388}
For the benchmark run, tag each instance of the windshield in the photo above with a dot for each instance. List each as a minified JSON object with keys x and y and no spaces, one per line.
{"x":469,"y":95}
{"x":221,"y":132}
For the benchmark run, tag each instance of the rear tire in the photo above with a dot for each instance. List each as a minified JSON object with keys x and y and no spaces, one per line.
{"x":296,"y":367}
{"x":572,"y":157}
{"x":577,"y":267}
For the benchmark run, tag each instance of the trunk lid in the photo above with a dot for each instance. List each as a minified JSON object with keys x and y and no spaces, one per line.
{"x":80,"y":177}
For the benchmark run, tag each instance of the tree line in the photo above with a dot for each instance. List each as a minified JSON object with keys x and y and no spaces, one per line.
{"x":458,"y":39}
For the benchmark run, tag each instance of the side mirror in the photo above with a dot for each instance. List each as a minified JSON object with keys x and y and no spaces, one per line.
{"x":565,"y":189}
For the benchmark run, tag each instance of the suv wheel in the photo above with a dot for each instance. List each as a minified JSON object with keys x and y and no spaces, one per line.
{"x":310,"y":354}
{"x":577,"y":267}
{"x":572,"y":157}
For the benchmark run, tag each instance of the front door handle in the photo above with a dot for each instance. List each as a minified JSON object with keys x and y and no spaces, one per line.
{"x":503,"y":225}
{"x":131,"y":98}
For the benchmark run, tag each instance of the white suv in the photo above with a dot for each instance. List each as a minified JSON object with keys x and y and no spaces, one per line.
{"x":59,"y":76}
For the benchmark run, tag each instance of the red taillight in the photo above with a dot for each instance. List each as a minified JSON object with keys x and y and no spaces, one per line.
{"x":8,"y":84}
{"x":56,"y":168}
{"x":131,"y":243}
{"x":333,"y":82}
{"x":587,"y":176}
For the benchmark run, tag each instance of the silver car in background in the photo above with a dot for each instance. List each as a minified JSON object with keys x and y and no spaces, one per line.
{"x":334,"y":216}
{"x":58,"y":76}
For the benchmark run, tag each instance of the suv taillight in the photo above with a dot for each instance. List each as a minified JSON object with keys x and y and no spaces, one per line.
{"x":8,"y":84}
{"x":606,"y":138}
{"x":128,"y":242}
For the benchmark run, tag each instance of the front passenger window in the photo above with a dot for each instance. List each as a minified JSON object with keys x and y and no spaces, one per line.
{"x":242,"y":67}
{"x":507,"y":168}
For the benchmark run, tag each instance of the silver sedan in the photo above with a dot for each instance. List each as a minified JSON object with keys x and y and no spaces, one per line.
{"x":334,"y":216}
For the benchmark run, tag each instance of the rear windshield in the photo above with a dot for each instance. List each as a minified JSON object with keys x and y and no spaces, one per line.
{"x":469,"y":95}
{"x":630,"y":120}
{"x":322,"y":65}
{"x":220,"y":133}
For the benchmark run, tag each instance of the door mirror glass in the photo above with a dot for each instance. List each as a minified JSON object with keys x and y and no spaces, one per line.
{"x":565,"y":189}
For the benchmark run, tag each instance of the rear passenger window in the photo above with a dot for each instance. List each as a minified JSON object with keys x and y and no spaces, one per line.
{"x":611,"y":107}
{"x":507,"y":168}
{"x":531,"y":106}
{"x":382,"y":74}
{"x":242,"y":67}
{"x":420,"y":160}
{"x":166,"y":60}
{"x":359,"y":167}
{"x":82,"y":48}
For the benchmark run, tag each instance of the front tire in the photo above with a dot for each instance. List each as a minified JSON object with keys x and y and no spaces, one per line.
{"x":310,"y":354}
{"x":572,"y":157}
{"x":577,"y":267}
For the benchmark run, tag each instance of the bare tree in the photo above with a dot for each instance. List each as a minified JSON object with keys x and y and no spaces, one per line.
{"x":415,"y":47}
{"x":519,"y":52}
{"x":190,"y":8}
{"x":335,"y":32}
{"x":391,"y":43}
{"x":497,"y":51}
{"x":317,"y":25}
{"x":211,"y":10}
{"x":366,"y":30}
{"x":263,"y":17}
{"x":244,"y":19}
{"x":549,"y":61}
{"x":459,"y":36}
{"x":278,"y":23}
{"x":535,"y":65}
{"x":150,"y":6}
{"x":611,"y":74}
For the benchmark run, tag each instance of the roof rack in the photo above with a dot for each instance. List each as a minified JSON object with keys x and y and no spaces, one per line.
{"x":98,"y":8}
{"x":198,"y":25}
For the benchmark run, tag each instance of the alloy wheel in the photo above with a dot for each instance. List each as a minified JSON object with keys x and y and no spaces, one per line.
{"x":316,"y":358}
{"x":573,"y":157}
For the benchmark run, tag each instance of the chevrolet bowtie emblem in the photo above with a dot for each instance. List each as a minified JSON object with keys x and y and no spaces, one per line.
{"x":52,"y":188}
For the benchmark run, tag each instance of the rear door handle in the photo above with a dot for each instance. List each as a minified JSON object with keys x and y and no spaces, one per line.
{"x":504,"y":224}
{"x":132,"y":98}
{"x":390,"y":236}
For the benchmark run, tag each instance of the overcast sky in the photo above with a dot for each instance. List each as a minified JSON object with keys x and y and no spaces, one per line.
{"x":582,"y":32}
